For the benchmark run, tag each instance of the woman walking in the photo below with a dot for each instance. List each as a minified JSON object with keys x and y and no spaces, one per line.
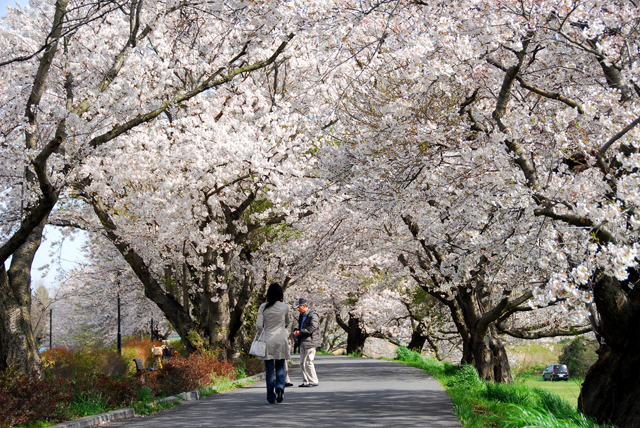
{"x":273,"y":317}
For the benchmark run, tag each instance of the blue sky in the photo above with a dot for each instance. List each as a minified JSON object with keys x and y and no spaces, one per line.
{"x":5,"y":3}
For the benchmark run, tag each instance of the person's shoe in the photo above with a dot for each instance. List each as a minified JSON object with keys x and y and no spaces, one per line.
{"x":279,"y":395}
{"x":312,"y":384}
{"x":288,"y":384}
{"x":303,"y":385}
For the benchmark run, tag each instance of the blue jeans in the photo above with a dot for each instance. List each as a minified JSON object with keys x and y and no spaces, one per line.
{"x":278,"y":382}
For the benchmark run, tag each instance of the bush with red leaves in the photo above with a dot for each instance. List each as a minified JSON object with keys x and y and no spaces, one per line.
{"x":186,"y":374}
{"x":117,"y":392}
{"x":28,"y":397}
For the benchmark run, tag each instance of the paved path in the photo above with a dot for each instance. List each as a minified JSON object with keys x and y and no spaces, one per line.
{"x":353,"y":392}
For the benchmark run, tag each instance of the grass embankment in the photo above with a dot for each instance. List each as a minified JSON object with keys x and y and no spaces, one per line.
{"x":568,"y":391}
{"x":483,"y":404}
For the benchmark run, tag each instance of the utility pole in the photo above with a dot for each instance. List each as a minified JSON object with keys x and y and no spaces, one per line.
{"x":119,"y":343}
{"x":50,"y":327}
{"x":119,"y":333}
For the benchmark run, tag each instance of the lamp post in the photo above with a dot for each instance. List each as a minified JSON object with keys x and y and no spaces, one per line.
{"x":119,"y":333}
{"x":119,"y":330}
{"x":50,"y":327}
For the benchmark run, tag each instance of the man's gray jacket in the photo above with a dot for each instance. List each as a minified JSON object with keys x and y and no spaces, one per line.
{"x":310,"y":330}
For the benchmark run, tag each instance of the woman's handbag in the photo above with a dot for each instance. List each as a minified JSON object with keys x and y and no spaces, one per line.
{"x":259,"y":347}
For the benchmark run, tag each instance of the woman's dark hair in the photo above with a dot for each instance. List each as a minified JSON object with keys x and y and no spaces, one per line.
{"x":274,"y":294}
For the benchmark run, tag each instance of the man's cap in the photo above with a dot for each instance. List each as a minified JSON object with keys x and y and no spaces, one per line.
{"x":299,"y":302}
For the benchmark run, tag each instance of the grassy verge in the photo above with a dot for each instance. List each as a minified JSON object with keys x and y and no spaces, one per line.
{"x":568,"y":391}
{"x":148,"y":405}
{"x":221,"y":385}
{"x":483,"y":404}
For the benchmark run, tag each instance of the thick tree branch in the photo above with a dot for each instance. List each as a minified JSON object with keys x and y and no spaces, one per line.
{"x":600,"y":232}
{"x":153,"y":290}
{"x":526,"y":334}
{"x":507,"y":83}
{"x":551,"y":95}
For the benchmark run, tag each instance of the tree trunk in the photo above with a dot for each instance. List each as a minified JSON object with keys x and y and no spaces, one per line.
{"x":417,"y":341}
{"x":611,"y":390}
{"x":325,"y":333}
{"x":490,"y":357}
{"x":17,"y":344}
{"x":239,"y":298}
{"x":355,"y":337}
{"x":217,"y":324}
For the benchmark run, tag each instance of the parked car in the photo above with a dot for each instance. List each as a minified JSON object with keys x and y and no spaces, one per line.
{"x":555,"y":372}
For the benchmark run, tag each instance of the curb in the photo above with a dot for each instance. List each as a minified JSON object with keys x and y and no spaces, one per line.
{"x":259,"y":376}
{"x":128,"y":413}
{"x":184,"y":396}
{"x":89,"y":421}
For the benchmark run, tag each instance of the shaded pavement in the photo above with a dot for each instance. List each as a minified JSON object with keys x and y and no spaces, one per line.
{"x":353,"y":392}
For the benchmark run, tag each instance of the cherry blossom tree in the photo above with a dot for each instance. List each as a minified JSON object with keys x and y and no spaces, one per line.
{"x":406,"y":150}
{"x":557,"y":93}
{"x":531,"y":106}
{"x":95,"y":83}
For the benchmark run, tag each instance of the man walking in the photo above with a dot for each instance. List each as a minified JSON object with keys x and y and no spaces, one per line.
{"x":308,"y":334}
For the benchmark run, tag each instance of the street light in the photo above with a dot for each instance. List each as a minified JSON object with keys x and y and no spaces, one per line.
{"x":119,"y":331}
{"x":50,"y":327}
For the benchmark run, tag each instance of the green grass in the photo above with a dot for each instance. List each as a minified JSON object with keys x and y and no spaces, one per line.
{"x":569,"y":390}
{"x":221,"y":385}
{"x":86,"y":405}
{"x":480,"y":404}
{"x":144,"y":404}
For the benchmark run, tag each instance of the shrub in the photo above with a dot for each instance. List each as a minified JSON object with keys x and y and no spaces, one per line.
{"x":96,"y":378}
{"x":113,"y":364}
{"x":138,"y":348}
{"x":26,"y":397}
{"x":523,"y":372}
{"x":83,"y":366}
{"x":408,"y":356}
{"x":87,"y":404}
{"x":58,"y":363}
{"x":62,"y":363}
{"x":115,"y":392}
{"x":250,"y":365}
{"x":187,"y":374}
{"x":579,"y":355}
{"x":178,"y":347}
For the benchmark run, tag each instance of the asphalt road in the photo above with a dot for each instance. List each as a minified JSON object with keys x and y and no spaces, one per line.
{"x":353,"y":392}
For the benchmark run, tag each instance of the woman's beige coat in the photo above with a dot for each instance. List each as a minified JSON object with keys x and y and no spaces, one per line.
{"x":276,"y":321}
